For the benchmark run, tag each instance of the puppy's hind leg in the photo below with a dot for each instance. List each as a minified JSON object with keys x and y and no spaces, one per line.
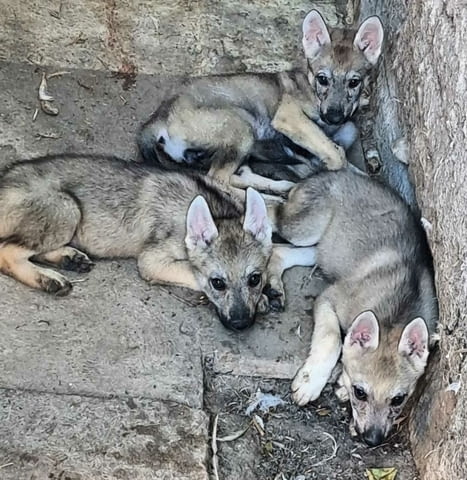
{"x":66,"y":258}
{"x":245,"y":178}
{"x":36,"y":223}
{"x":15,"y":262}
{"x":306,"y":215}
{"x":233,"y":140}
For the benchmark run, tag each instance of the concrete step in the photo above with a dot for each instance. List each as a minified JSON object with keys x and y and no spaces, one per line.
{"x":74,"y":437}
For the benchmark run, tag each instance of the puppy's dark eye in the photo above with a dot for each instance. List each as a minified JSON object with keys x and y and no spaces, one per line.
{"x":218,"y":283}
{"x":398,"y":400}
{"x":254,"y":280}
{"x":360,"y":394}
{"x":322,"y":80}
{"x":354,"y":82}
{"x":161,"y":141}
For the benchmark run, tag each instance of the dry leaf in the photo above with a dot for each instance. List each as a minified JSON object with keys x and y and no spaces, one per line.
{"x":234,"y":436}
{"x":268,"y":448}
{"x":381,"y":473}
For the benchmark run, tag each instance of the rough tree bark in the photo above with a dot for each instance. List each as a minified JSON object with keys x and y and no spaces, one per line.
{"x":422,"y":93}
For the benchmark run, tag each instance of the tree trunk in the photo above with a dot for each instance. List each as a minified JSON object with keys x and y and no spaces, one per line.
{"x":421,"y":93}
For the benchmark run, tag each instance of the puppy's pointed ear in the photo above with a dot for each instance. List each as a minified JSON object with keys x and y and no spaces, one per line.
{"x":315,"y":34}
{"x":200,"y":227}
{"x":363,"y":333}
{"x":369,"y":39}
{"x":256,"y":217}
{"x":414,"y":342}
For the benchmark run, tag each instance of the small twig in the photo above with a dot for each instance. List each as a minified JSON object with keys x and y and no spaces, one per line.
{"x":57,"y":74}
{"x":57,"y":13}
{"x":79,"y":39}
{"x":106,"y":65}
{"x":256,"y":421}
{"x":81,"y":84}
{"x":333,"y":454}
{"x":6,"y":465}
{"x":51,"y":135}
{"x":79,"y":280}
{"x":179,"y":298}
{"x":215,"y":461}
{"x":36,"y":112}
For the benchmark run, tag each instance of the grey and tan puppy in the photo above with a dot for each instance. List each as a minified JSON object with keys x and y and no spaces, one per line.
{"x":217,"y":122}
{"x":381,"y":295}
{"x":182,"y":229}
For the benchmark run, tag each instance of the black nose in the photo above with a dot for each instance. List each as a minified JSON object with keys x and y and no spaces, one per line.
{"x":334,"y":116}
{"x":373,"y":436}
{"x":239,"y":318}
{"x":236,"y":324}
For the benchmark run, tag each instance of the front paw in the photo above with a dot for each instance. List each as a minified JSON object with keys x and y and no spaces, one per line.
{"x":337,"y":160}
{"x":306,"y":386}
{"x":274,"y":291}
{"x":263,"y":304}
{"x":342,"y":394}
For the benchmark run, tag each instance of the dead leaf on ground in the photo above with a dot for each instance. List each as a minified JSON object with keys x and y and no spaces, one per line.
{"x":381,"y":473}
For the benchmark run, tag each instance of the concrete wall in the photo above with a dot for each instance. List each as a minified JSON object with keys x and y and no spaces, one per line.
{"x":178,"y":37}
{"x":422,"y":95}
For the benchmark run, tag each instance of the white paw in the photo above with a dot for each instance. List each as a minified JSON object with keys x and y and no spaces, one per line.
{"x":283,"y":186}
{"x":307,"y":386}
{"x":244,"y":172}
{"x":342,"y":394}
{"x":337,"y":160}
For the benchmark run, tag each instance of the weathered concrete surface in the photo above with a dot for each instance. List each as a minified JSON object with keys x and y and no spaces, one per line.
{"x":422,"y":94}
{"x":113,"y":335}
{"x":47,"y":436}
{"x":194,"y":37}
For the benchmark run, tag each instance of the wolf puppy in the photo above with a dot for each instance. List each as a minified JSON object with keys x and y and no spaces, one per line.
{"x":215,"y":123}
{"x":382,"y":295}
{"x":182,"y":229}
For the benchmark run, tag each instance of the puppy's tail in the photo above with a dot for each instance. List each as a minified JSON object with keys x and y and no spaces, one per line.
{"x":146,"y":140}
{"x":148,"y":135}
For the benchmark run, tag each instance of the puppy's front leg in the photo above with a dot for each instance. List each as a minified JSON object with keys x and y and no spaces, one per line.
{"x":293,"y":123}
{"x":284,"y":257}
{"x":325,"y":349}
{"x":156,"y":266}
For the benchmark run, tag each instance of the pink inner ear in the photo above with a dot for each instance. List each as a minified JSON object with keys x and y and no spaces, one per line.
{"x":364,"y":331}
{"x":369,"y":39}
{"x":201,"y":229}
{"x":361,"y":335}
{"x":314,"y":32}
{"x":415,"y":342}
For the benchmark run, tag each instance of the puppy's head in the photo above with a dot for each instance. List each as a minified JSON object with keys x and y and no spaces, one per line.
{"x":230,"y":257}
{"x":380,"y":372}
{"x":339,"y":64}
